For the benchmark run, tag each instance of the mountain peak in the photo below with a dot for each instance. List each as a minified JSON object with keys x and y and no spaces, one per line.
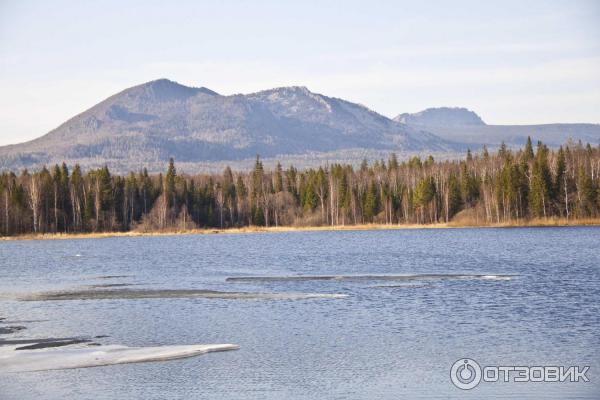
{"x":287,"y":91}
{"x":296,"y":89}
{"x":442,"y":116}
{"x":165,"y":89}
{"x":161,"y":81}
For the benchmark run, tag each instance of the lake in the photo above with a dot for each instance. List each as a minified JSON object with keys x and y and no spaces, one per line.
{"x":502,"y":297}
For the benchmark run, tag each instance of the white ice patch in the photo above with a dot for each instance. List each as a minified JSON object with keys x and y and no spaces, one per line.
{"x":497,"y":277}
{"x":12,"y":360}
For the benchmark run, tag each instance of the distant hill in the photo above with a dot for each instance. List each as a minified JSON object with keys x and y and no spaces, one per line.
{"x":465,"y":126}
{"x":145,"y":125}
{"x":443,"y":116}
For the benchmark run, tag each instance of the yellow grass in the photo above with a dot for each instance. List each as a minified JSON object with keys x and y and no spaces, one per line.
{"x":535,"y":222}
{"x":549,"y":222}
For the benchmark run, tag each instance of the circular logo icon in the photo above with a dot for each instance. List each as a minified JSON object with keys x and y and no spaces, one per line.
{"x":465,"y":374}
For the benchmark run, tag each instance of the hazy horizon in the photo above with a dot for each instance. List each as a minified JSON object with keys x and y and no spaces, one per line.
{"x":510,"y":63}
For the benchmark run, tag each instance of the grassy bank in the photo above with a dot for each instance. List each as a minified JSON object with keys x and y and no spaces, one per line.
{"x":550,"y":222}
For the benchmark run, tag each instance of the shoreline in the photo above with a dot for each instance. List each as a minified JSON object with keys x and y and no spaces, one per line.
{"x":537,"y":223}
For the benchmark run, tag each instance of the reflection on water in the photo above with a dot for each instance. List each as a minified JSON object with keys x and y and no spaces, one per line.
{"x":416,"y":301}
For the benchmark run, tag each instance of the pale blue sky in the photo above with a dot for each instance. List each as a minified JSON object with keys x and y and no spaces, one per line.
{"x":513,"y":62}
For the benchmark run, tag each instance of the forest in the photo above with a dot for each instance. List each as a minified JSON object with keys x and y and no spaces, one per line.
{"x":482,"y":189}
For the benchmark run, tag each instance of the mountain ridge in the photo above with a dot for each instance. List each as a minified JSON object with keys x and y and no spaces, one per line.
{"x":145,"y":125}
{"x":160,"y":119}
{"x":441,"y":116}
{"x":465,"y":126}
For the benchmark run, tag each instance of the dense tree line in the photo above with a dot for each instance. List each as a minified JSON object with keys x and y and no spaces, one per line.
{"x":483,"y":188}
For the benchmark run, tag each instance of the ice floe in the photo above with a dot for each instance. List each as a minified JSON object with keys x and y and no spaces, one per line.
{"x":413,"y":277}
{"x":13,"y":360}
{"x":170,"y":293}
{"x":497,"y":277}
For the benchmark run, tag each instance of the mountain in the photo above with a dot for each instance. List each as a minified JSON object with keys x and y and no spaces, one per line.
{"x":146,"y":124}
{"x":465,"y":126}
{"x":443,"y":116}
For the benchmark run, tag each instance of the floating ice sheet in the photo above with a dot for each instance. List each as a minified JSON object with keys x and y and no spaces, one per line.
{"x":414,"y":277}
{"x":12,"y":360}
{"x":170,"y":293}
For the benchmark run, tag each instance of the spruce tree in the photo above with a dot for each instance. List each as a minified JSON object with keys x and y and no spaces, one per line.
{"x":454,"y":196}
{"x":559,"y":184}
{"x":469,"y":186}
{"x":370,"y":204}
{"x":170,"y":178}
{"x":424,"y":194}
{"x":278,"y":179}
{"x":587,"y":194}
{"x":528,"y":152}
{"x":541,"y":183}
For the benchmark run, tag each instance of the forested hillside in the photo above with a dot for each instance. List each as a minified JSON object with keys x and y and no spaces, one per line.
{"x":481,"y":189}
{"x":145,"y":125}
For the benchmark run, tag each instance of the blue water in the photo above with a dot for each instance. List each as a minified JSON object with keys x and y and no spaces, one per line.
{"x":378,"y":343}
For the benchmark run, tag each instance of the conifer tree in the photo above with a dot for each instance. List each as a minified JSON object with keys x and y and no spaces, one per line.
{"x":586,"y":189}
{"x":278,"y":179}
{"x":560,"y":197}
{"x":528,"y":152}
{"x":370,"y":204}
{"x":454,"y":196}
{"x":541,"y":183}
{"x":424,"y":195}
{"x":170,"y":178}
{"x":469,"y":186}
